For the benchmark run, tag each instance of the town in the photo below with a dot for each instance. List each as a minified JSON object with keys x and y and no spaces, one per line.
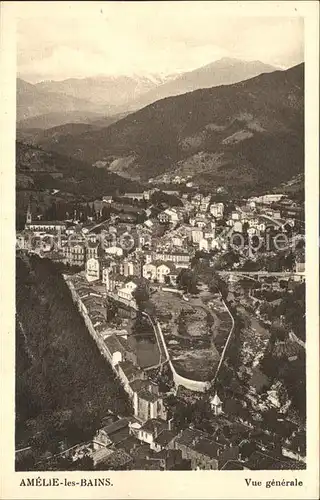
{"x":197,"y":302}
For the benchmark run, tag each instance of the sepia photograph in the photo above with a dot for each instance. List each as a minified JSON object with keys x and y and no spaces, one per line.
{"x":160,"y":275}
{"x":160,"y":240}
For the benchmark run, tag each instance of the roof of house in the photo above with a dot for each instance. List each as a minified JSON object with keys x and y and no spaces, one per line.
{"x":216,"y":400}
{"x":101,"y":455}
{"x":130,"y":370}
{"x":154,"y":424}
{"x":159,"y":263}
{"x":113,"y":344}
{"x":146,"y":464}
{"x":232,"y":465}
{"x":125,"y":344}
{"x":137,"y":280}
{"x":188,"y":436}
{"x":148,"y":396}
{"x":118,"y":459}
{"x":267,"y":461}
{"x":45,"y":223}
{"x":165,"y":437}
{"x":115,"y":426}
{"x":128,"y":444}
{"x":139,"y":384}
{"x":207,"y":447}
{"x":117,"y":277}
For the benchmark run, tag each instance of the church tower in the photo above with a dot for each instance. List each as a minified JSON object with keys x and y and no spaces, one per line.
{"x":29,"y":215}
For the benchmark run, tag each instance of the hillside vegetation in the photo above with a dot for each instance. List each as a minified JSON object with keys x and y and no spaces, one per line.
{"x":39,"y":172}
{"x":58,"y":394}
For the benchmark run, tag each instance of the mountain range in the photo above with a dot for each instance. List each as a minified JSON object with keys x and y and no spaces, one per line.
{"x":243,"y":135}
{"x":78,"y":100}
{"x":32,"y":102}
{"x":52,"y":103}
{"x":225,"y":71}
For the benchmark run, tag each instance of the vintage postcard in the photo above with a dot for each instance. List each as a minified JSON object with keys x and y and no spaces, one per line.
{"x":160,"y":276}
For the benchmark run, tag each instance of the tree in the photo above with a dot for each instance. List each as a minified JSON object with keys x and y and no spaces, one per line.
{"x":167,"y":280}
{"x":106,"y":211}
{"x":186,"y":281}
{"x":141,"y":295}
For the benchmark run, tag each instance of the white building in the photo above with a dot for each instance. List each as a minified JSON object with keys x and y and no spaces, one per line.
{"x":149,"y":271}
{"x":196,"y":235}
{"x":237,"y":227}
{"x":92,"y":269}
{"x":235,"y":216}
{"x":127,"y":290}
{"x":217,"y":209}
{"x":164,"y":270}
{"x":216,"y":404}
{"x":172,"y":215}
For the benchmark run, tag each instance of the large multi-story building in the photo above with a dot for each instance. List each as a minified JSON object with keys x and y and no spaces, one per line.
{"x":217,"y":209}
{"x":130,"y":267}
{"x":41,"y":225}
{"x":92,"y":269}
{"x":180,"y":259}
{"x":197,"y":447}
{"x":147,"y":402}
{"x":74,"y":254}
{"x":158,"y":271}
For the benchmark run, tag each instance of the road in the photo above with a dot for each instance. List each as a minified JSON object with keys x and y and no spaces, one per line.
{"x":284,"y":274}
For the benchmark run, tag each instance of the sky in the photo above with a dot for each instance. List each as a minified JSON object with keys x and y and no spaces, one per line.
{"x":59,"y":40}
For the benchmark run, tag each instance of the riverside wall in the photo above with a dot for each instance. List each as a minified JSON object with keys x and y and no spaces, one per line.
{"x":188,"y":383}
{"x":198,"y":385}
{"x":179,"y":380}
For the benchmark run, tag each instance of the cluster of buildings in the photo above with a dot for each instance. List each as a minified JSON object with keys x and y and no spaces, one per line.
{"x":114,"y":258}
{"x":155,"y":444}
{"x":165,"y":240}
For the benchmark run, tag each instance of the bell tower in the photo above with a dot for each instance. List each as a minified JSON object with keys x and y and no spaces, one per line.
{"x":29,"y":215}
{"x":216,"y":404}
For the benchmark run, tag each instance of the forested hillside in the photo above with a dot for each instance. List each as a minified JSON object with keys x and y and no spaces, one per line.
{"x":249,"y":135}
{"x":63,"y":385}
{"x":39,"y":172}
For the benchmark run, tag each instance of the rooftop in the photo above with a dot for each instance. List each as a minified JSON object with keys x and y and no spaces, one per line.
{"x":233,"y":465}
{"x":138,"y":384}
{"x":148,"y":396}
{"x":118,"y":459}
{"x":165,"y":437}
{"x":266,"y":461}
{"x":154,"y":424}
{"x":189,"y":436}
{"x":101,"y":455}
{"x":113,"y":344}
{"x":115,"y":426}
{"x":130,"y":370}
{"x":208,"y":447}
{"x":45,"y":223}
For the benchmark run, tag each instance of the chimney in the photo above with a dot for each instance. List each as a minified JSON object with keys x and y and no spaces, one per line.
{"x":170,"y":424}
